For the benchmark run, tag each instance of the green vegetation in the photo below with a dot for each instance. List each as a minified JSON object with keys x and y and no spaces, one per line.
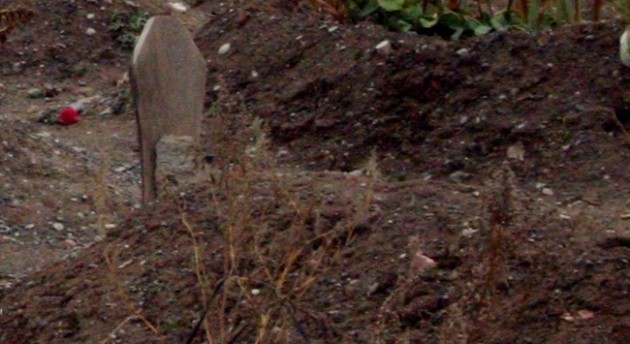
{"x":430,"y":18}
{"x":623,"y":8}
{"x":452,"y":19}
{"x":127,"y":27}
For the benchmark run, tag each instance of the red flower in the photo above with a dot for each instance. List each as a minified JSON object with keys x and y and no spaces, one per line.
{"x":68,"y":115}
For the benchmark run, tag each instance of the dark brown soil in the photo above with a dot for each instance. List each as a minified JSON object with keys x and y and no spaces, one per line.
{"x":503,"y":159}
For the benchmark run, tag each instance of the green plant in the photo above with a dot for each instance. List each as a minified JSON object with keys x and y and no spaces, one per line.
{"x":623,"y":8}
{"x":447,"y":20}
{"x":127,"y":27}
{"x":450,"y":19}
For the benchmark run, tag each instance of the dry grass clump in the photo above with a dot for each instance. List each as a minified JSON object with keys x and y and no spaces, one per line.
{"x":280,"y":237}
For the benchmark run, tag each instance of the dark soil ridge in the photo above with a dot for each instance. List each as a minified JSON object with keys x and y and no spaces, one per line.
{"x":564,"y":280}
{"x":39,"y":175}
{"x":55,"y":44}
{"x":428,"y":107}
{"x":549,"y":276}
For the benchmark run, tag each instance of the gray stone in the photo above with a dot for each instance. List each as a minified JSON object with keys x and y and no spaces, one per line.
{"x":107,"y":112}
{"x":459,"y":176}
{"x":176,"y":161}
{"x":462,"y":52}
{"x":35,"y":93}
{"x":547,"y":191}
{"x":168,"y":77}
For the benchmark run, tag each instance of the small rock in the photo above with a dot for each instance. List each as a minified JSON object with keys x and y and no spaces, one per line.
{"x":17,"y":67}
{"x":35,"y":93}
{"x":420,"y":262}
{"x":255,"y":292}
{"x":282,"y":153}
{"x":69,"y":243}
{"x":85,"y":105}
{"x":90,"y":32}
{"x":516,"y":152}
{"x":58,"y":226}
{"x":107,"y":112}
{"x":459,"y":176}
{"x":224,"y":49}
{"x":176,"y":7}
{"x":384,"y":47}
{"x":547,"y":191}
{"x":372,"y":288}
{"x":175,"y":161}
{"x":462,"y":52}
{"x":90,"y":16}
{"x":469,"y":232}
{"x":585,"y":314}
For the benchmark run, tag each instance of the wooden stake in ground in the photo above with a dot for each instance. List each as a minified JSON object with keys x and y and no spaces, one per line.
{"x":168,"y":77}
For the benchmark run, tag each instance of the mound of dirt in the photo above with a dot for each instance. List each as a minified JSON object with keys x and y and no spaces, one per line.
{"x":490,"y":212}
{"x":428,"y":107}
{"x":142,"y":285}
{"x":68,"y":39}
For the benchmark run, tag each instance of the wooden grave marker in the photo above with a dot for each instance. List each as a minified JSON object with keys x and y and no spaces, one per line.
{"x":168,"y":79}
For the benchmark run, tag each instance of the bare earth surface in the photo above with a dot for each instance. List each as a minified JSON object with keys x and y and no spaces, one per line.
{"x":503,"y":160}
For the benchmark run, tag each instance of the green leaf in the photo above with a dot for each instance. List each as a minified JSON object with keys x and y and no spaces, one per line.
{"x":499,"y":23}
{"x":481,"y":29}
{"x":457,"y":34}
{"x":452,"y":21}
{"x":565,"y":11}
{"x":391,"y":5}
{"x":369,"y":8}
{"x":428,"y":22}
{"x":532,"y":14}
{"x":403,"y":26}
{"x":413,"y":12}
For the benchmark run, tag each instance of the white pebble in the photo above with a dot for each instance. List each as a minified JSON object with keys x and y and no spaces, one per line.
{"x":177,"y":6}
{"x":385,"y":46}
{"x":224,"y":49}
{"x":547,"y":191}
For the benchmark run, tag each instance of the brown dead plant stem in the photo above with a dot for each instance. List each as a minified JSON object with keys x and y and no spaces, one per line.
{"x":277,"y":243}
{"x":199,"y":270}
{"x":115,"y":281}
{"x":337,"y":8}
{"x":486,"y":264}
{"x":613,"y":118}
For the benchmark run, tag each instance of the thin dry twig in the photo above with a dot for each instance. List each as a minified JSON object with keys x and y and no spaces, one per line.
{"x":123,"y":323}
{"x":198,"y":271}
{"x":614,"y":118}
{"x":113,"y":276}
